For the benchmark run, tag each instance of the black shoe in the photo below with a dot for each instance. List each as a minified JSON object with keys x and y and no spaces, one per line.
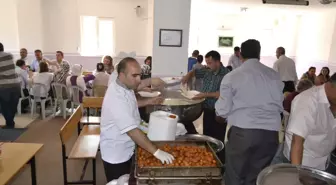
{"x":6,"y":127}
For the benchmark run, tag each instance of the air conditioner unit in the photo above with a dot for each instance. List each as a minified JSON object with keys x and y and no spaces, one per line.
{"x":325,"y":1}
{"x":287,"y":2}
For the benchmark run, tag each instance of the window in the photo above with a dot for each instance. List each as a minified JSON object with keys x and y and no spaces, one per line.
{"x":97,"y":36}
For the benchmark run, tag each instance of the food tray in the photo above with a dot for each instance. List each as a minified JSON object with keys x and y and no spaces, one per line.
{"x":180,"y":172}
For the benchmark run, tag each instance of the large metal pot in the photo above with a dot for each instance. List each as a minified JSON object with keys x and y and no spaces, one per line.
{"x":281,"y":174}
{"x":216,"y":144}
{"x":187,"y":110}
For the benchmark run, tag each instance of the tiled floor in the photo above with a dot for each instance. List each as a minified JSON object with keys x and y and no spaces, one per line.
{"x":21,"y":121}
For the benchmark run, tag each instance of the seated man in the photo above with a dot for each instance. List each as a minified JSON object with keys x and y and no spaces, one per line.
{"x":311,"y":131}
{"x":302,"y":86}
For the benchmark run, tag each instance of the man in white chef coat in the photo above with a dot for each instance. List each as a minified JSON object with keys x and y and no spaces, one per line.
{"x":286,"y":68}
{"x":120,"y":120}
{"x":311,"y":130}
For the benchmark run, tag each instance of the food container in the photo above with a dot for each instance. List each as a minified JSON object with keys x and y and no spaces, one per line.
{"x":162,"y":126}
{"x":287,"y":174}
{"x":184,"y":172}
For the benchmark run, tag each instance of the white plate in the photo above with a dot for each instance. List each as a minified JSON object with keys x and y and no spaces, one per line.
{"x":171,"y":80}
{"x":149,"y":94}
{"x":190,"y":94}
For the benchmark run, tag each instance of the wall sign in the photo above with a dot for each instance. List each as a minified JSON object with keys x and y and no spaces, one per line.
{"x":226,"y":42}
{"x":170,"y":38}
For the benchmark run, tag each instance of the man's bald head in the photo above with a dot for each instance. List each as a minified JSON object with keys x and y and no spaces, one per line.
{"x":129,"y":72}
{"x":124,"y":64}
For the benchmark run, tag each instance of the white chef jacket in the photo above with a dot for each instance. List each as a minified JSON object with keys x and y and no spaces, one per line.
{"x":120,"y":114}
{"x":312,"y":119}
{"x":113,"y":77}
{"x":286,"y":68}
{"x":234,"y":61}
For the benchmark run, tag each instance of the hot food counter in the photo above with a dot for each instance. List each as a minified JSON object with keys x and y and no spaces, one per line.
{"x":195,"y":162}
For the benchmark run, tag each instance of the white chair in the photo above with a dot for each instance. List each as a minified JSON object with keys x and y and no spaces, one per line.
{"x":61,"y":96}
{"x":75,"y":98}
{"x":23,"y":97}
{"x":40,"y":94}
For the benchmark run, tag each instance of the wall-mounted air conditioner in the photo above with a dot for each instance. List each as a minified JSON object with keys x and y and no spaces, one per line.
{"x":325,"y":2}
{"x":287,"y":2}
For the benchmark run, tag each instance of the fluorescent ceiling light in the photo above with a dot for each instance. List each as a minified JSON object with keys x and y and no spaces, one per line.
{"x":287,"y":2}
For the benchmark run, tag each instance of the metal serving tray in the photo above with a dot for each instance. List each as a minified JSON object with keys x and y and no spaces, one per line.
{"x":180,"y":172}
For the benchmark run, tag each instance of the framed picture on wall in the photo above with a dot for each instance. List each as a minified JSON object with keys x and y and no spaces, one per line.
{"x":225,"y":42}
{"x":170,"y":38}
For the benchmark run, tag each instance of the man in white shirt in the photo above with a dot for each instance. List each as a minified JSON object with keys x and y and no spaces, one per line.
{"x":34,"y":66}
{"x":251,"y":100}
{"x":21,"y":71}
{"x":120,"y":120}
{"x":311,"y":130}
{"x":234,"y":60}
{"x":287,"y":70}
{"x":23,"y":55}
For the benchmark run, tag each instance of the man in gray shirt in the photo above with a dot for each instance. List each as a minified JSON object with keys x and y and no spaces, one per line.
{"x":251,"y":100}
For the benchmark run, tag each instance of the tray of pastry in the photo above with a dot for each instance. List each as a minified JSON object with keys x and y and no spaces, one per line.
{"x":193,"y":159}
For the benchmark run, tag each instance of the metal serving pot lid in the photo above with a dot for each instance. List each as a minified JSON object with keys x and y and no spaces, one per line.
{"x":287,"y":174}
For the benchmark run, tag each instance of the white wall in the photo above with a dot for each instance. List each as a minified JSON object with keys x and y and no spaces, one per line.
{"x":172,"y":14}
{"x":332,"y":56}
{"x":53,"y":25}
{"x":309,"y":36}
{"x":131,"y":31}
{"x":30,"y":24}
{"x":9,"y":27}
{"x":315,"y":39}
{"x":60,"y":26}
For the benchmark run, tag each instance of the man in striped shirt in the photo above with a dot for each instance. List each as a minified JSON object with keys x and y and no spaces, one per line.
{"x":9,"y":87}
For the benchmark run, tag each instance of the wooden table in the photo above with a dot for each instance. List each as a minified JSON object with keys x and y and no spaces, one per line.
{"x":14,"y":157}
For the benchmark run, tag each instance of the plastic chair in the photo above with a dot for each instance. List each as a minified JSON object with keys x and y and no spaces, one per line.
{"x":23,"y":97}
{"x":99,"y":90}
{"x":61,"y":96}
{"x":39,"y":96}
{"x":75,"y":98}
